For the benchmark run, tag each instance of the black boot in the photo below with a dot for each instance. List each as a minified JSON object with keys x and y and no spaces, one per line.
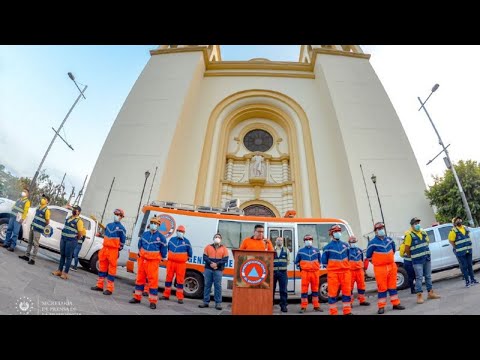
{"x":134,"y":301}
{"x":381,"y":311}
{"x":153,"y":306}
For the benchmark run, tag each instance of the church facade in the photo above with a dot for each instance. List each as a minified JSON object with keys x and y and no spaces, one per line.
{"x":276,"y":135}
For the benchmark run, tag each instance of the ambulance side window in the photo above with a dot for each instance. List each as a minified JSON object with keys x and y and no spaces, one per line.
{"x":233,"y":232}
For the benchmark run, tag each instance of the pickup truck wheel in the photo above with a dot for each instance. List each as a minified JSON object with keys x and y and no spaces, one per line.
{"x":94,"y":263}
{"x":402,"y":278}
{"x":3,"y":229}
{"x":85,"y":264}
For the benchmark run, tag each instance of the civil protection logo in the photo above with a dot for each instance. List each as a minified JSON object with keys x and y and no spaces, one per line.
{"x":24,"y":305}
{"x":254,"y":271}
{"x":167,"y":225}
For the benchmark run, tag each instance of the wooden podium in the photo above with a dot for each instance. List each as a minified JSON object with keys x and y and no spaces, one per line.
{"x":252,"y":283}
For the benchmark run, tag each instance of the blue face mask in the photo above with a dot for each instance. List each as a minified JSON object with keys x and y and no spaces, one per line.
{"x":381,"y":232}
{"x":153,"y":227}
{"x":337,"y":235}
{"x":417,"y":227}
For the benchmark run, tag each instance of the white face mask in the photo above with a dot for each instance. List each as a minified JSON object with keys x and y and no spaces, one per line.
{"x":179,"y":234}
{"x":153,"y":227}
{"x":217,"y":240}
{"x":279,"y":243}
{"x":353,"y":245}
{"x":308,"y":243}
{"x":116,"y":218}
{"x":337,"y":235}
{"x":24,"y":194}
{"x":381,"y":232}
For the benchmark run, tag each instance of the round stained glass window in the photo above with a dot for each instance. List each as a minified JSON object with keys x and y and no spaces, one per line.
{"x":258,"y":140}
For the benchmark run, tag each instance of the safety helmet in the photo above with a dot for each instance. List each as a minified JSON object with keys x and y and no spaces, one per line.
{"x":181,"y":228}
{"x":119,"y":212}
{"x":333,"y":229}
{"x":155,"y":220}
{"x":378,"y":225}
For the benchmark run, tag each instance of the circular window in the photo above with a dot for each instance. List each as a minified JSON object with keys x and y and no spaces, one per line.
{"x":258,"y":140}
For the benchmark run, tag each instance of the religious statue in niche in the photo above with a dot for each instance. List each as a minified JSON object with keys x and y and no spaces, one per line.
{"x":257,"y":167}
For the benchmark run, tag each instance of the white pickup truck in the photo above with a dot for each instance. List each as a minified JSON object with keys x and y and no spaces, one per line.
{"x":441,"y":251}
{"x":88,"y":255}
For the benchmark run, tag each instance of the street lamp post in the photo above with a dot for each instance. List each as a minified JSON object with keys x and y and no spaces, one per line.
{"x":34,"y":180}
{"x":374,"y":180}
{"x":147,"y":174}
{"x":449,"y":162}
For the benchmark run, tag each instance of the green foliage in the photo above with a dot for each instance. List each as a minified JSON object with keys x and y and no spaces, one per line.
{"x":11,"y":187}
{"x":445,"y":196}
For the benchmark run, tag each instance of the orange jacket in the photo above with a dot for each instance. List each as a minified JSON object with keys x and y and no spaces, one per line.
{"x":250,"y":243}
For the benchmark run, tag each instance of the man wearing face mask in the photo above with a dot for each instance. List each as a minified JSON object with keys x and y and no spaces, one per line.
{"x":335,"y":258}
{"x":380,"y":252}
{"x":40,"y":221}
{"x":355,"y":259}
{"x":416,"y":247}
{"x":280,"y":263}
{"x":72,"y":231}
{"x":113,"y":242}
{"x":459,"y":238}
{"x":152,"y":247}
{"x":179,"y":251}
{"x":20,"y":212}
{"x":308,"y":261}
{"x":215,"y":257}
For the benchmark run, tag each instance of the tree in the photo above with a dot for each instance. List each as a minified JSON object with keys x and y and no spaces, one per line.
{"x":445,"y":196}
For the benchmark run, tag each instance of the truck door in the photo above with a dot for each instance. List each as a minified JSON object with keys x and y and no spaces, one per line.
{"x":288,"y":240}
{"x":57,"y":221}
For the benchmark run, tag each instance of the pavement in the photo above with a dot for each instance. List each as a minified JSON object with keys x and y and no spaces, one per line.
{"x":31,"y":289}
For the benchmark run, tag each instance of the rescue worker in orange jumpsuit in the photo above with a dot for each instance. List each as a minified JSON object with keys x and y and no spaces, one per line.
{"x":356,"y":261}
{"x":113,"y":242}
{"x":380,"y":252}
{"x":309,"y":262}
{"x":257,"y":241}
{"x":335,"y":258}
{"x":152,"y":247}
{"x":179,"y":251}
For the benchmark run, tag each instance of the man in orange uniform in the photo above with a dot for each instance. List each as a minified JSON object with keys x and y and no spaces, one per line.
{"x":113,"y":242}
{"x":380,"y":252}
{"x":152,"y":247}
{"x":257,"y":241}
{"x":308,"y":261}
{"x":335,"y":258}
{"x":355,"y":259}
{"x":179,"y":250}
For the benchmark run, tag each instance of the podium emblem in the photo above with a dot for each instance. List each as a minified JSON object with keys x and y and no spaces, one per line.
{"x":254,"y":271}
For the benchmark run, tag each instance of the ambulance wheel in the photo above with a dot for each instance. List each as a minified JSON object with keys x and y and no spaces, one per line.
{"x":402,"y":278}
{"x":323,"y":289}
{"x":85,"y":264}
{"x":94,"y":263}
{"x":193,"y":285}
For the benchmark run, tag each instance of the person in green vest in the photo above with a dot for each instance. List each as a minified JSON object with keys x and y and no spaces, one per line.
{"x":20,"y":212}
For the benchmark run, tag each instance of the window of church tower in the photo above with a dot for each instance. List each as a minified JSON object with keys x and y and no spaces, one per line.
{"x":258,"y":140}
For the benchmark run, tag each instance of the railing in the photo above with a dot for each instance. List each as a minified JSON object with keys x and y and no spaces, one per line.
{"x":197,"y":208}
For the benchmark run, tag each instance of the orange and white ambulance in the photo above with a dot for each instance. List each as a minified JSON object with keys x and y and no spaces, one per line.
{"x":202,"y":222}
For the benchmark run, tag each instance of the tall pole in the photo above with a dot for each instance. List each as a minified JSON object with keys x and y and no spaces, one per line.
{"x":368,"y":197}
{"x":106,"y":202}
{"x":59,"y":188}
{"x":34,"y":180}
{"x":80,"y":193}
{"x":147,"y":174}
{"x":153,"y":180}
{"x":72,"y":194}
{"x":452,"y":167}
{"x":374,"y":180}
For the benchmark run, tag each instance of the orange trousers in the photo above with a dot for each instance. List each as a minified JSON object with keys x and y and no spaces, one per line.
{"x":358,"y":276}
{"x":310,"y":279}
{"x":386,"y":277}
{"x":107,"y":258}
{"x":147,"y":270}
{"x":339,"y":281}
{"x":178,"y":270}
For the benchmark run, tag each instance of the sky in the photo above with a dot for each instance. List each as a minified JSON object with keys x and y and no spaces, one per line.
{"x":36,"y":94}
